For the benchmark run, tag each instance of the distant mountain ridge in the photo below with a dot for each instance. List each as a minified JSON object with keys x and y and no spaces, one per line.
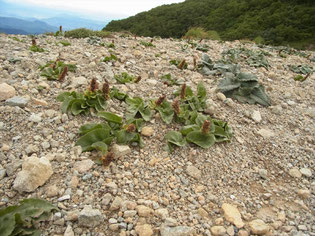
{"x":11,"y":25}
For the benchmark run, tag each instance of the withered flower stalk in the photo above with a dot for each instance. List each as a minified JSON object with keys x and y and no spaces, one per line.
{"x":138,"y":79}
{"x":183,"y":91}
{"x":105,"y":90}
{"x":93,"y":85}
{"x":107,"y":159}
{"x":176,"y":107}
{"x":182,"y":64}
{"x":151,"y":41}
{"x":113,"y":41}
{"x":60,"y":28}
{"x":306,"y":76}
{"x":205,"y":127}
{"x":131,"y":128}
{"x":195,"y":63}
{"x":160,"y":100}
{"x":63,"y":74}
{"x":33,"y":42}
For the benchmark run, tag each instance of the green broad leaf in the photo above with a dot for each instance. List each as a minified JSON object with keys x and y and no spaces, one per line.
{"x":115,"y":93}
{"x":91,"y":137}
{"x":110,"y":117}
{"x":66,"y":104}
{"x":189,"y":128}
{"x":124,"y":78}
{"x":260,"y":96}
{"x":77,"y":106}
{"x":146,"y":113}
{"x":89,"y":127}
{"x":200,"y":139}
{"x":200,"y":119}
{"x":61,"y":97}
{"x":228,"y":84}
{"x":100,"y":146}
{"x":124,"y":137}
{"x":175,"y":138}
{"x":7,"y":220}
{"x":246,"y":77}
{"x":166,"y":112}
{"x":201,"y":91}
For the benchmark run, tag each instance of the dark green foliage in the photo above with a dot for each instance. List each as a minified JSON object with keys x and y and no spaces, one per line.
{"x":112,"y":57}
{"x":124,"y":78}
{"x":35,"y":48}
{"x":137,"y":107}
{"x":179,"y":64}
{"x":21,"y":219}
{"x":301,"y":69}
{"x":146,"y":44}
{"x":79,"y":103}
{"x":64,"y":42}
{"x":85,"y":33}
{"x":277,"y":22}
{"x":53,"y":69}
{"x":244,"y":87}
{"x":167,"y":79}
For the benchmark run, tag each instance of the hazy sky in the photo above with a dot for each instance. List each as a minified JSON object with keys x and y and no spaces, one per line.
{"x":93,"y":8}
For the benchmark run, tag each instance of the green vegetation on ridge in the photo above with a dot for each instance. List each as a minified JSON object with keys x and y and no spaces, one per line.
{"x":276,"y":22}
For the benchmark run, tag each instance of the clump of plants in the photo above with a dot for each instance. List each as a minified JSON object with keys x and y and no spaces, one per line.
{"x":244,"y":87}
{"x":17,"y":39}
{"x":179,"y":64}
{"x":56,"y":70}
{"x":22,"y":219}
{"x":124,"y":78}
{"x":35,"y":47}
{"x":169,"y":81}
{"x":301,"y":69}
{"x":100,"y":136}
{"x":112,"y":57}
{"x":85,"y":33}
{"x":63,"y":42}
{"x":252,"y":58}
{"x":81,"y":103}
{"x":147,"y":44}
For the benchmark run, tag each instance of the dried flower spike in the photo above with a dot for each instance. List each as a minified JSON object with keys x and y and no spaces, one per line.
{"x":107,"y":159}
{"x":105,"y":90}
{"x":138,"y":79}
{"x":131,"y":128}
{"x":176,"y":107}
{"x":60,"y":28}
{"x":160,"y":100}
{"x":195,"y":63}
{"x":33,"y":42}
{"x":183,"y":91}
{"x":205,"y":127}
{"x":182,"y":64}
{"x":93,"y":85}
{"x":63,"y":74}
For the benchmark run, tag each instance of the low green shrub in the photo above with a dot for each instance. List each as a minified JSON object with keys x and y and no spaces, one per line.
{"x":84,"y":33}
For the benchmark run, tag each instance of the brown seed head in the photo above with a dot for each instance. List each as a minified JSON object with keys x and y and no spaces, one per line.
{"x":176,"y":107}
{"x":107,"y":159}
{"x":195,"y":63}
{"x":183,"y":91}
{"x":63,"y":74}
{"x":60,"y":28}
{"x":182,"y":64}
{"x":93,"y":85}
{"x":205,"y":127}
{"x":105,"y":90}
{"x":131,"y":128}
{"x":138,"y":79}
{"x":160,"y":100}
{"x":33,"y":42}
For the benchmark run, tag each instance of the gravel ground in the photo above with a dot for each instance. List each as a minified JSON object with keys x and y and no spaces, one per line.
{"x":265,"y":176}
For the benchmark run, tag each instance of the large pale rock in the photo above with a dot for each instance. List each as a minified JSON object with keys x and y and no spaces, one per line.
{"x":147,"y":131}
{"x":218,"y":230}
{"x":120,"y":150}
{"x":83,"y":166}
{"x":69,"y":231}
{"x":266,"y":133}
{"x":78,"y":82}
{"x":176,"y":231}
{"x":144,"y":211}
{"x":256,"y":116}
{"x":258,"y":227}
{"x":232,"y":215}
{"x":35,"y":172}
{"x":89,"y":217}
{"x":193,"y":172}
{"x":6,"y":91}
{"x":144,"y":230}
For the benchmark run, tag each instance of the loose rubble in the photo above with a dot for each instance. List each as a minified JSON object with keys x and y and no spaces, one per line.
{"x":261,"y":183}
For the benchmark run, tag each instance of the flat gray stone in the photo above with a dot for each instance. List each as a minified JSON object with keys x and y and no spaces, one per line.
{"x":17,"y":101}
{"x":89,"y":217}
{"x":176,"y":231}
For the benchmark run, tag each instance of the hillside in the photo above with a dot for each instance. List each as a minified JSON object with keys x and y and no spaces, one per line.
{"x":260,"y":181}
{"x":278,"y":22}
{"x":11,"y":25}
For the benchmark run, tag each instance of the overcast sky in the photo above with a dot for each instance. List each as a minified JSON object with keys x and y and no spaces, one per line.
{"x":95,"y":8}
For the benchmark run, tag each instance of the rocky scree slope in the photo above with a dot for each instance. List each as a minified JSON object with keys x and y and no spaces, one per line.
{"x":261,"y":183}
